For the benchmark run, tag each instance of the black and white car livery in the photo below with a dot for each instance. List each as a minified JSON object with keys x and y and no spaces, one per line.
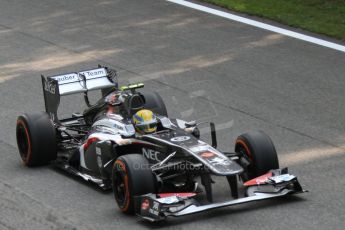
{"x":153,"y":175}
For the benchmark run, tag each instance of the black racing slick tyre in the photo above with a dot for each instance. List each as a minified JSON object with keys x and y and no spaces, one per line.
{"x":131,"y":176}
{"x":36,"y":139}
{"x":154,"y":102}
{"x":258,"y":148}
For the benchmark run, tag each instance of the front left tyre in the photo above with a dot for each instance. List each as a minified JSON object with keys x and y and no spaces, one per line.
{"x":132,"y":176}
{"x":36,"y":139}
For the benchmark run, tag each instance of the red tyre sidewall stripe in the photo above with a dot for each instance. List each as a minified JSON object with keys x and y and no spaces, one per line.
{"x":29,"y":153}
{"x":121,"y":164}
{"x":243,"y":143}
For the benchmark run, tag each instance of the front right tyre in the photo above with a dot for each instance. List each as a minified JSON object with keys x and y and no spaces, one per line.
{"x":258,"y":149}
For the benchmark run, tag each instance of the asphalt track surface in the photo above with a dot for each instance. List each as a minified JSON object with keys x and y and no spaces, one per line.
{"x":205,"y":68}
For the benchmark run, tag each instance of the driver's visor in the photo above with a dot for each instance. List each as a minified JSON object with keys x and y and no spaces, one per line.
{"x":143,"y":127}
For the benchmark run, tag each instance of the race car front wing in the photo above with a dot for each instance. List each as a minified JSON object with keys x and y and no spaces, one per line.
{"x":157,"y":207}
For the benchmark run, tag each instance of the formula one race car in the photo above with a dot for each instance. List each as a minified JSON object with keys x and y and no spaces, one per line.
{"x":153,"y":175}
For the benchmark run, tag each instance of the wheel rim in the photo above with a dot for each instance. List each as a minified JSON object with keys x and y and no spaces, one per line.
{"x":120,"y":188}
{"x":243,"y":149}
{"x":23,"y":141}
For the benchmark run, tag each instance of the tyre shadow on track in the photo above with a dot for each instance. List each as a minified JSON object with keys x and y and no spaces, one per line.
{"x":208,"y":215}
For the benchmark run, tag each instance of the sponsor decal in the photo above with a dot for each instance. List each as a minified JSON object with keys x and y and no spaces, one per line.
{"x":155,"y":205}
{"x":180,"y":138}
{"x":73,"y":77}
{"x":98,"y":151}
{"x":200,"y":148}
{"x":219,"y":161}
{"x":282,"y":178}
{"x":99,"y":162}
{"x":155,"y":209}
{"x":90,"y":74}
{"x":207,"y":154}
{"x":49,"y":86}
{"x":99,"y":158}
{"x":259,"y":180}
{"x":145,"y":204}
{"x":65,"y":78}
{"x":118,"y":126}
{"x":169,"y":200}
{"x":130,"y":130}
{"x":178,"y":194}
{"x":150,"y":154}
{"x":166,"y":123}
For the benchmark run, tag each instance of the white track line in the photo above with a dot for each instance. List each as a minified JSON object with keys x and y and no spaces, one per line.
{"x":260,"y":25}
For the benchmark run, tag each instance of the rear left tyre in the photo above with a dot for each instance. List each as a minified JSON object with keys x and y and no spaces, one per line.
{"x":36,"y":139}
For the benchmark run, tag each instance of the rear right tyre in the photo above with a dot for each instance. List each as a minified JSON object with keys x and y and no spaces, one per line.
{"x":154,"y":102}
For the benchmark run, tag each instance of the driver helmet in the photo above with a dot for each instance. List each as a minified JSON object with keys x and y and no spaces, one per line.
{"x":145,"y":121}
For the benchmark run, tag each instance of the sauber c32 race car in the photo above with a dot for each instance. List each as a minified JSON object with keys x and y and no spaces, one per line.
{"x":152,"y":175}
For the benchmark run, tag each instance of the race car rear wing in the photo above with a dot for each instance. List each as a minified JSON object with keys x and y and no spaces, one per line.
{"x":102,"y":78}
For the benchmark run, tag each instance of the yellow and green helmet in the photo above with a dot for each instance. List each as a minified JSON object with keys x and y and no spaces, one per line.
{"x":145,"y":121}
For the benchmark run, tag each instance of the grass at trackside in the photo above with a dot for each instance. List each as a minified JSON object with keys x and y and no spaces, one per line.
{"x":319,"y":16}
